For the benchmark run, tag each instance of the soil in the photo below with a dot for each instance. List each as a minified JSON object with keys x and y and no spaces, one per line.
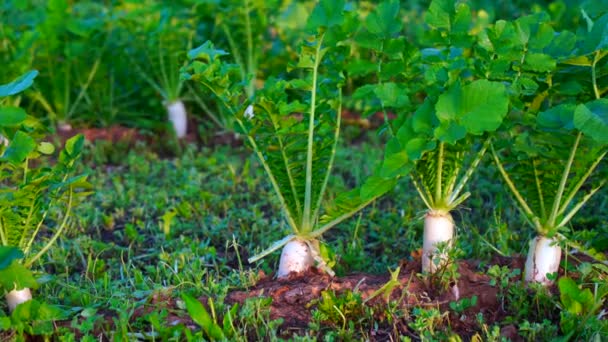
{"x":294,"y":298}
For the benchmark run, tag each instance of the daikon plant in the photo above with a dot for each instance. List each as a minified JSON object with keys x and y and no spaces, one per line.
{"x":445,"y":139}
{"x":31,"y":196}
{"x":163,"y":42}
{"x":553,"y":167}
{"x":293,"y":127}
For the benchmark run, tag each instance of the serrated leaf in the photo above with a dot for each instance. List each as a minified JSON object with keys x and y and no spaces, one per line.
{"x":206,"y":51}
{"x":384,"y":21}
{"x":8,"y":254}
{"x":19,"y":148}
{"x":17,"y":277}
{"x":592,"y":119}
{"x":11,"y":116}
{"x":327,"y":13}
{"x":19,"y":84}
{"x":439,"y":13}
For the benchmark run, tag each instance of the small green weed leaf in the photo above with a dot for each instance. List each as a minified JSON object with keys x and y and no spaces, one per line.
{"x":11,"y":116}
{"x":574,"y":300}
{"x":8,"y":254}
{"x":19,"y":148}
{"x":227,"y":322}
{"x":46,"y":148}
{"x":17,"y":276}
{"x":558,"y":117}
{"x":326,"y":14}
{"x":476,"y":108}
{"x":385,"y":20}
{"x":19,"y":84}
{"x":167,"y":218}
{"x":592,"y":119}
{"x":206,"y":51}
{"x":199,"y":314}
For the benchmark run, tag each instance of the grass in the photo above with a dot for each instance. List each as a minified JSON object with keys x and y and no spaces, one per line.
{"x":157,"y":227}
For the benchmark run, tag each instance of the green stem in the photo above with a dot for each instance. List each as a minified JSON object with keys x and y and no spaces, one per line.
{"x":262,"y":160}
{"x":3,"y":234}
{"x":579,"y":205}
{"x":331,"y":159}
{"x":235,"y":52}
{"x":562,"y":183}
{"x":439,"y":174}
{"x":425,"y":196}
{"x":596,"y":90}
{"x":539,"y":189}
{"x":306,"y":219}
{"x":522,"y":203}
{"x":56,"y":235}
{"x":469,"y":172}
{"x":318,"y":232}
{"x":251,"y":67}
{"x":580,"y":183}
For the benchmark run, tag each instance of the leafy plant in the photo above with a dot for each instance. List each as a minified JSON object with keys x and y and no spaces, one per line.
{"x":32,"y":194}
{"x":579,"y":310}
{"x":557,"y":150}
{"x":296,"y":150}
{"x":444,"y":141}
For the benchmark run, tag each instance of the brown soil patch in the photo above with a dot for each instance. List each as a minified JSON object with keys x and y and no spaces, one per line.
{"x":294,"y":298}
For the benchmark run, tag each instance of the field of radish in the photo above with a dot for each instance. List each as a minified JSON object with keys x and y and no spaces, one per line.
{"x":303,"y":170}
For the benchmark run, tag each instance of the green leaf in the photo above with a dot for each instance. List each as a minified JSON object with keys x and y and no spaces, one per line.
{"x":558,"y":117}
{"x":74,"y":145}
{"x":19,"y":148}
{"x":574,"y":300}
{"x":592,"y":119}
{"x":439,"y":13}
{"x":391,"y":95}
{"x":475,"y":108}
{"x":450,"y":132}
{"x":19,"y":84}
{"x":326,"y":14}
{"x":206,"y":51}
{"x":199,"y":314}
{"x":11,"y":116}
{"x":597,"y":39}
{"x":17,"y":277}
{"x":375,"y":186}
{"x":539,"y":62}
{"x":8,"y":254}
{"x":385,"y":20}
{"x":46,"y":148}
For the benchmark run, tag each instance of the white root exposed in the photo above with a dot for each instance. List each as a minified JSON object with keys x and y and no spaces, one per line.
{"x":16,"y":297}
{"x":438,"y":227}
{"x":296,"y":257}
{"x":544,"y":256}
{"x":178,"y":117}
